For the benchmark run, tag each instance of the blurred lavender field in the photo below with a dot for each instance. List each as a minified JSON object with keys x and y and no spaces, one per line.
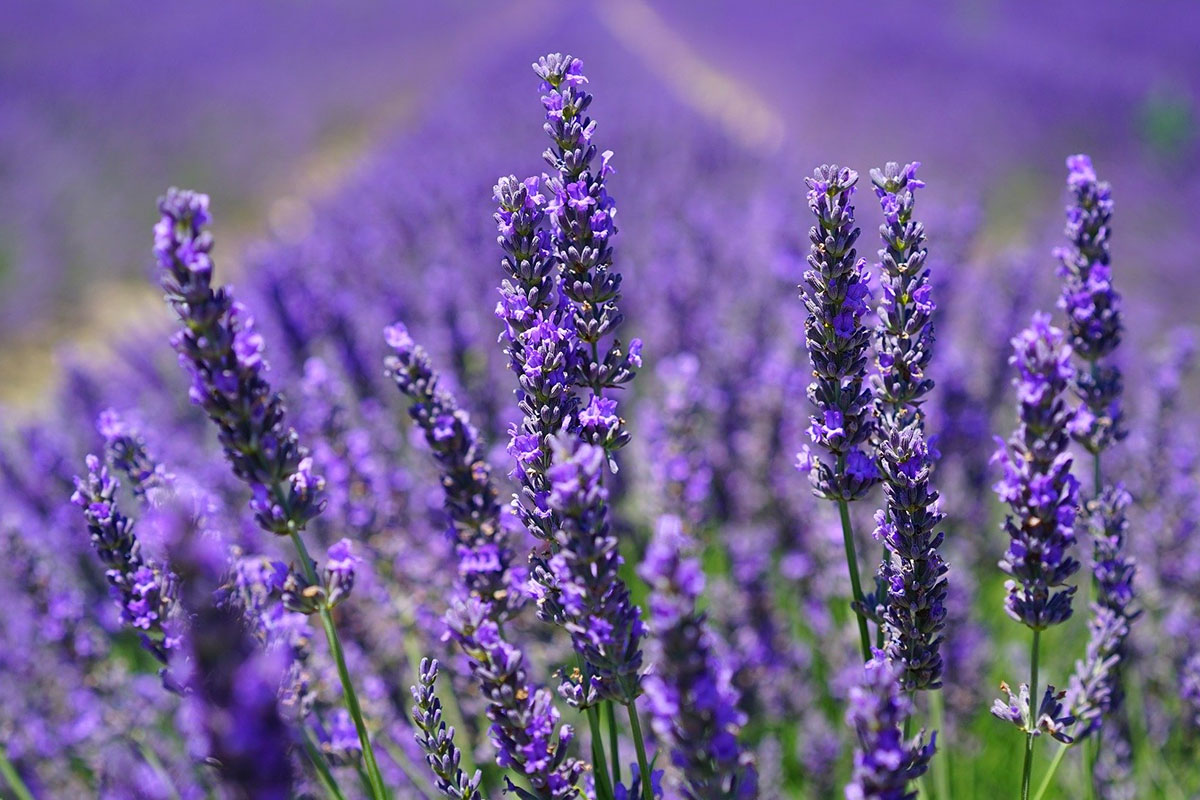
{"x":350,"y":151}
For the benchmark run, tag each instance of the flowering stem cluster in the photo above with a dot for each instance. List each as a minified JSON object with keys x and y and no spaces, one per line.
{"x":835,"y":293}
{"x":437,"y":740}
{"x":223,"y":353}
{"x":583,"y":217}
{"x":886,"y":761}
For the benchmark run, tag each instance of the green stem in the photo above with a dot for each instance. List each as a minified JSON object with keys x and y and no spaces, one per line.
{"x":614,"y":746}
{"x":643,"y":763}
{"x":324,"y":775}
{"x":335,"y":648}
{"x":599,"y":763}
{"x":150,"y":757}
{"x":13,"y":778}
{"x":1058,"y":759}
{"x":855,"y":586}
{"x":941,"y":761}
{"x":1027,"y":770}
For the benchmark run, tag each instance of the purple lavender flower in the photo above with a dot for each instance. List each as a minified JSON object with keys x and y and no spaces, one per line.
{"x":437,"y":740}
{"x":1037,"y":482}
{"x":835,"y":294}
{"x":485,"y":557}
{"x":525,"y":724}
{"x":583,"y":214}
{"x":223,"y":354}
{"x":904,"y":335}
{"x":340,"y":566}
{"x":1052,"y":718}
{"x":1092,"y":305}
{"x":541,"y":344}
{"x":913,"y":576}
{"x":580,"y":586}
{"x":125,"y":450}
{"x":693,"y":703}
{"x":885,"y":762}
{"x":143,"y":590}
{"x":1095,"y":691}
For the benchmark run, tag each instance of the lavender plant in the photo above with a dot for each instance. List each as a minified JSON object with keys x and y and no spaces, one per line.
{"x":835,"y":293}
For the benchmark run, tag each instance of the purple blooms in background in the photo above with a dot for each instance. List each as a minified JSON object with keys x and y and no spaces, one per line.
{"x":835,"y":293}
{"x":885,"y":760}
{"x":693,"y":703}
{"x":1037,"y":484}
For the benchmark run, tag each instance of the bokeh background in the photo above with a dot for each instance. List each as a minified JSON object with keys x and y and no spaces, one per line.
{"x":273,"y":106}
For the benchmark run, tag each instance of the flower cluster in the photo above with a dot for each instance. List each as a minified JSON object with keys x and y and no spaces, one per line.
{"x":1037,"y":483}
{"x":914,"y":576}
{"x":583,"y":215}
{"x":144,"y":591}
{"x":580,"y":586}
{"x":1052,"y":718}
{"x":525,"y":724}
{"x":904,"y":335}
{"x":223,"y":353}
{"x":1095,"y":690}
{"x":1092,"y":306}
{"x":437,"y":740}
{"x":540,"y":343}
{"x":484,"y":555}
{"x":885,"y":761}
{"x":125,"y":450}
{"x":836,"y":294}
{"x":695,"y":707}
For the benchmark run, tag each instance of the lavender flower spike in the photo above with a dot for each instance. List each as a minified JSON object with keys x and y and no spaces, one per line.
{"x":580,"y":586}
{"x":540,"y":343}
{"x":485,"y":557}
{"x":437,"y":740}
{"x":144,"y":591}
{"x":223,"y":353}
{"x":524,"y":720}
{"x":693,"y":703}
{"x":583,"y":214}
{"x":904,"y":335}
{"x":1037,"y":484}
{"x":1092,"y":305}
{"x":835,"y":294}
{"x":913,"y":577}
{"x":885,"y":763}
{"x":1094,"y":690}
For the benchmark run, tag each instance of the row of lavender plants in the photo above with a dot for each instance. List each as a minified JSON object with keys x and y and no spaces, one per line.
{"x":447,"y":567}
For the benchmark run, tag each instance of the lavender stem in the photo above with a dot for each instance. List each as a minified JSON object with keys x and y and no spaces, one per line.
{"x":639,"y":742}
{"x":855,"y":585}
{"x":1058,"y":759}
{"x":13,"y":778}
{"x":335,"y":648}
{"x":324,"y":776}
{"x":1033,"y":693}
{"x":614,"y":746}
{"x":941,"y":766}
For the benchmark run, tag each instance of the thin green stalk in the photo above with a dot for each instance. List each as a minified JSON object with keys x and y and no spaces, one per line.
{"x":1058,"y":759}
{"x":640,"y":744}
{"x":13,"y":778}
{"x":335,"y":648}
{"x":599,"y":762}
{"x":855,"y":586}
{"x":1027,"y":771}
{"x":150,"y":757}
{"x":941,"y":761}
{"x":614,"y":745}
{"x":324,"y":775}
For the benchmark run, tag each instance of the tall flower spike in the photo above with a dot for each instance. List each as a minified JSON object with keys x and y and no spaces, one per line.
{"x":1095,"y":691}
{"x":221,"y":350}
{"x":485,"y":557}
{"x":126,"y":451}
{"x":525,"y":724}
{"x":540,"y":343}
{"x":583,"y":214}
{"x":694,"y":705}
{"x":835,"y":293}
{"x":914,"y":576}
{"x":1037,"y":484}
{"x":1092,"y":305}
{"x":904,"y":335}
{"x":580,"y":586}
{"x":885,"y":763}
{"x":143,"y":590}
{"x":437,"y":740}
